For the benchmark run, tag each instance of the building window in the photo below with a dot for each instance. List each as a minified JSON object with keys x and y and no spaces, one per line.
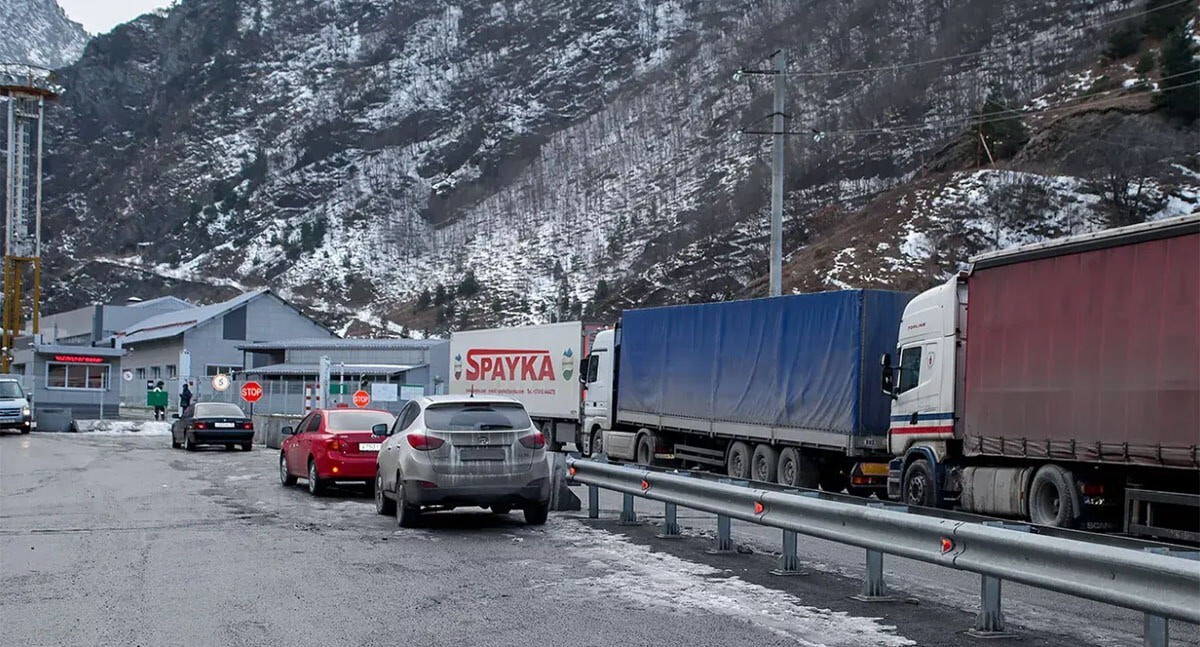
{"x":77,"y":376}
{"x":140,"y":373}
{"x":156,"y":372}
{"x":172,"y":372}
{"x":221,"y":369}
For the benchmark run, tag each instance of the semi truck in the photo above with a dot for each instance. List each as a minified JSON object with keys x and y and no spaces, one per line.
{"x":1057,"y":383}
{"x":779,"y":389}
{"x":538,"y":365}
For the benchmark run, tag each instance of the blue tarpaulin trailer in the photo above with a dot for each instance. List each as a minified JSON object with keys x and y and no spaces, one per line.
{"x":797,"y":370}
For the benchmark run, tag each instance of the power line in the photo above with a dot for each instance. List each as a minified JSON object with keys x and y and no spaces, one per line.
{"x":1089,"y":100}
{"x":963,"y":56}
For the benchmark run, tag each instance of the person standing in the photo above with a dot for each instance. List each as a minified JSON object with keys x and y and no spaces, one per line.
{"x":160,"y":412}
{"x":185,"y":397}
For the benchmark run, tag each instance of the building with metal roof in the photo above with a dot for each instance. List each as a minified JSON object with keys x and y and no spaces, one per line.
{"x":391,"y":370}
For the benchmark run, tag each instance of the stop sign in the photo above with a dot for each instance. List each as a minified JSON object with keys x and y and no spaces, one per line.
{"x":362,"y":398}
{"x":252,"y":392}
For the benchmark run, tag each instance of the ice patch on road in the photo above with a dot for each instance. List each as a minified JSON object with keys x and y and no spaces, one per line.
{"x":124,"y":427}
{"x":664,"y":580}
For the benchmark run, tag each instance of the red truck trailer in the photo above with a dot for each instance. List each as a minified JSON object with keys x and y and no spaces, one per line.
{"x":1058,"y":382}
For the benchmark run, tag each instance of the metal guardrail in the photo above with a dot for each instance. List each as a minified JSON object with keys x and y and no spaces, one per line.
{"x":1161,"y":585}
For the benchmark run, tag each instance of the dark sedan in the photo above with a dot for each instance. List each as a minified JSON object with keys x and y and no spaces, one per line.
{"x":212,"y":423}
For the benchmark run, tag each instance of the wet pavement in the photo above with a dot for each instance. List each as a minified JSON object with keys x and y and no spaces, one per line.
{"x":120,"y":540}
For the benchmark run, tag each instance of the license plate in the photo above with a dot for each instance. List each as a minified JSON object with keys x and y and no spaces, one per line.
{"x":481,"y":453}
{"x":369,"y":447}
{"x":224,"y":425}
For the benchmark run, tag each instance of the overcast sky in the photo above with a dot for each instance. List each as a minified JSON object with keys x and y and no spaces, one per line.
{"x":100,"y":16}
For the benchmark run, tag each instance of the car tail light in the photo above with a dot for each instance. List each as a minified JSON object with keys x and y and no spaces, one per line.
{"x":534,"y":441}
{"x":247,"y":425}
{"x":334,"y":444}
{"x":1093,"y":489}
{"x":424,"y":443}
{"x":200,"y":425}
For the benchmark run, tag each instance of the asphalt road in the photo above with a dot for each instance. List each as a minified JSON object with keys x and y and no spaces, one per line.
{"x":120,"y":540}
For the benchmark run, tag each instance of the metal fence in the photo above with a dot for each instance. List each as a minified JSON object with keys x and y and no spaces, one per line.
{"x":1162,"y":584}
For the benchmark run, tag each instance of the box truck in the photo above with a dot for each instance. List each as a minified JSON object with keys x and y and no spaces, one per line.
{"x":538,"y":365}
{"x":1057,"y":383}
{"x":779,"y":389}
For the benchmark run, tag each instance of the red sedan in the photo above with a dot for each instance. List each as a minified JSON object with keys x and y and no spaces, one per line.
{"x":332,"y":445}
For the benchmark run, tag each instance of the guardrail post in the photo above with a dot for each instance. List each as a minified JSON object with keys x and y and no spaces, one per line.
{"x":1156,"y":629}
{"x":670,"y":523}
{"x":593,"y":502}
{"x":628,"y":516}
{"x":789,"y":564}
{"x":874,"y":589}
{"x":990,"y":621}
{"x":724,"y":537}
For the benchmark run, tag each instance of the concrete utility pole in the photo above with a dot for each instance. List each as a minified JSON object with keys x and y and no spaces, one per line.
{"x":777,"y":132}
{"x":777,"y":178}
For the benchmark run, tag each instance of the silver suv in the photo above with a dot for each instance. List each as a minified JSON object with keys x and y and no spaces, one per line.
{"x":15,"y":411}
{"x":457,"y":450}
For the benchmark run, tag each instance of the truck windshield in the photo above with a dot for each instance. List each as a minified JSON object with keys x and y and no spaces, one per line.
{"x":476,"y":417}
{"x":10,"y":390}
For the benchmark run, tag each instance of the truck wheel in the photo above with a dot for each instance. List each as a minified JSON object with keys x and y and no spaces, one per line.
{"x":919,"y":487}
{"x":737,"y":462}
{"x":596,"y":446}
{"x":765,"y":463}
{"x":1051,"y":501}
{"x":797,"y":470}
{"x":645,"y":450}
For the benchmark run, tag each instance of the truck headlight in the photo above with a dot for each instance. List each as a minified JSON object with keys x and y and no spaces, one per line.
{"x":26,"y":412}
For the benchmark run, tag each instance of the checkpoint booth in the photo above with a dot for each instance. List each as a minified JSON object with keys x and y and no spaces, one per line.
{"x":69,"y":383}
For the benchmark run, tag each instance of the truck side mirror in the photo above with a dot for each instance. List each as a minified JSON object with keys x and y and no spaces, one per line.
{"x":887,"y":376}
{"x":584,"y":366}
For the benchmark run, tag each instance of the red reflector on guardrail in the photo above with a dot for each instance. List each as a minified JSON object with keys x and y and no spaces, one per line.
{"x":572,"y":471}
{"x":947,"y":545}
{"x":758,"y":508}
{"x":645,"y":485}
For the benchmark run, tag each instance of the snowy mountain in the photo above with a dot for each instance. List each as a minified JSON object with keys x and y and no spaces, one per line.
{"x":437,"y":164}
{"x":38,"y":32}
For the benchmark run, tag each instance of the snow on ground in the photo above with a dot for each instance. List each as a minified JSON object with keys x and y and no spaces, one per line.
{"x":663,"y":580}
{"x":124,"y":427}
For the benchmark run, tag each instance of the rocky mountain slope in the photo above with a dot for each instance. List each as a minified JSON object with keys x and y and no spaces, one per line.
{"x":437,"y":164}
{"x":38,"y":32}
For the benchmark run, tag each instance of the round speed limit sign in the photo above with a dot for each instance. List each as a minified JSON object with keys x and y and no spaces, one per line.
{"x":220,"y":382}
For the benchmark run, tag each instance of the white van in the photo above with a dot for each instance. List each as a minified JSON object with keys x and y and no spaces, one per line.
{"x":15,"y":410}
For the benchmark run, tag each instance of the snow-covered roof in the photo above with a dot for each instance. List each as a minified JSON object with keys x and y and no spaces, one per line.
{"x":175,"y":323}
{"x":343,"y":344}
{"x":162,"y":301}
{"x":348,"y":369}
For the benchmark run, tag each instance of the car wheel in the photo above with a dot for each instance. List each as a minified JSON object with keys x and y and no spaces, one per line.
{"x":188,"y":444}
{"x":247,"y":446}
{"x":383,"y":505}
{"x":536,"y":515}
{"x":407,"y":516}
{"x":919,"y":487}
{"x":285,"y":477}
{"x":502,"y":509}
{"x":737,"y":463}
{"x":316,"y":486}
{"x":175,"y":444}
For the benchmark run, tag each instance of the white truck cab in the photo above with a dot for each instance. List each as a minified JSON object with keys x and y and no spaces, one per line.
{"x":16,"y":412}
{"x":598,"y":387}
{"x":922,"y":381}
